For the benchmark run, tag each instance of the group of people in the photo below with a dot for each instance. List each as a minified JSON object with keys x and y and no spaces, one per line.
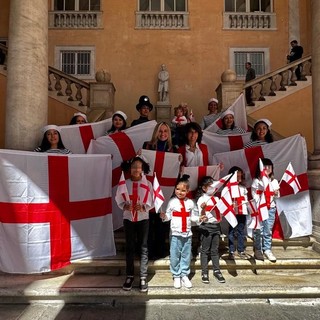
{"x":149,"y":229}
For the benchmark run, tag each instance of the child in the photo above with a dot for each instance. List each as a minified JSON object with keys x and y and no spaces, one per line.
{"x":178,"y":123}
{"x":263,"y":237}
{"x":240,"y":206}
{"x":180,"y":211}
{"x":209,"y":219}
{"x":136,"y":219}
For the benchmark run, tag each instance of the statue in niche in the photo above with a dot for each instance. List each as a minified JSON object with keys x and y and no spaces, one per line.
{"x":163,"y":87}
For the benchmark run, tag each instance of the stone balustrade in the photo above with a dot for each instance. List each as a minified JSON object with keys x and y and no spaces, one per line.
{"x":69,"y":86}
{"x":75,"y":19}
{"x":162,"y":20}
{"x":279,"y":79}
{"x":249,"y":20}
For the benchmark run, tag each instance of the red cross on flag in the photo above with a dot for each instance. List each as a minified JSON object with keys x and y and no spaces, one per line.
{"x":157,"y":194}
{"x":291,"y":179}
{"x":225,"y":206}
{"x":233,"y":186}
{"x":254,"y":218}
{"x":122,"y":194}
{"x":122,"y":146}
{"x":53,"y":209}
{"x":77,"y":137}
{"x":295,"y":209}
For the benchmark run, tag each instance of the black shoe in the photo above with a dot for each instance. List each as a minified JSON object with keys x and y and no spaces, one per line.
{"x":218,"y":275}
{"x":143,"y":285}
{"x":128,"y":283}
{"x":258,"y":255}
{"x":231,"y":255}
{"x":205,"y":278}
{"x":251,"y":104}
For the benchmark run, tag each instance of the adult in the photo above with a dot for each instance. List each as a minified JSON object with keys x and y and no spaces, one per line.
{"x":261,"y":134}
{"x":51,"y":141}
{"x":161,"y":140}
{"x":144,"y":107}
{"x":228,"y":124}
{"x":250,"y":75}
{"x":163,"y":86}
{"x":295,"y":54}
{"x":213,"y":114}
{"x":78,"y":118}
{"x":118,"y":122}
{"x":194,"y":153}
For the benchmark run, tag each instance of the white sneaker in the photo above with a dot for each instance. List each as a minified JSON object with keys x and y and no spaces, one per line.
{"x":177,"y":283}
{"x":186,"y":282}
{"x":270,"y":256}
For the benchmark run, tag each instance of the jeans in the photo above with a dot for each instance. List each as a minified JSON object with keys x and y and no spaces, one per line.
{"x":263,"y":237}
{"x":239,"y":233}
{"x":136,"y":231}
{"x":180,"y":256}
{"x":210,"y":238}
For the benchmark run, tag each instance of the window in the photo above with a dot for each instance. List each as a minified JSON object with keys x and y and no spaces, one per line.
{"x":76,"y":61}
{"x":76,"y":5}
{"x":248,"y":5}
{"x":162,"y":5}
{"x":259,"y":58}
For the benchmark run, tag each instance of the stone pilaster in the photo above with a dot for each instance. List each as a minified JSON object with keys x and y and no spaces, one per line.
{"x":314,"y":159}
{"x":293,"y":25}
{"x":27,"y":80}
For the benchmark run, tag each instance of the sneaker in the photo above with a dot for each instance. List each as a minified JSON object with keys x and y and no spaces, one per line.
{"x":177,"y":283}
{"x":143,"y":285}
{"x":258,"y":255}
{"x":218,"y":275}
{"x":231,"y":255}
{"x":270,"y":256}
{"x":205,"y":278}
{"x":128,"y":283}
{"x":242,"y":255}
{"x":186,"y":282}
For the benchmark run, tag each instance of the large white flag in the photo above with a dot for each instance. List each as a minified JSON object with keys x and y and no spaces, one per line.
{"x":77,"y":137}
{"x":240,"y":116}
{"x":122,"y":146}
{"x":53,"y":209}
{"x":295,"y":209}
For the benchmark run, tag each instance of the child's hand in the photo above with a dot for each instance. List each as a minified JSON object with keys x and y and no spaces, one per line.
{"x":140,"y":207}
{"x":203,"y":205}
{"x":221,"y":166}
{"x":128,"y":207}
{"x":203,"y":218}
{"x":139,"y":152}
{"x":163,"y":215}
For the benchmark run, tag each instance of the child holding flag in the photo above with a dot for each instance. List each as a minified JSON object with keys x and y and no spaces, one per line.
{"x":265,"y":186}
{"x":209,"y":220}
{"x":180,"y":211}
{"x":135,"y":198}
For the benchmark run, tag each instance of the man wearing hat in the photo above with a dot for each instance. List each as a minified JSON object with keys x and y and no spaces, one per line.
{"x":213,"y":114}
{"x":144,"y":107}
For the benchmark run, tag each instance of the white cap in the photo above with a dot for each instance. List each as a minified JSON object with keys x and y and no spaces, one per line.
{"x":226,"y":113}
{"x":122,"y":114}
{"x":50,"y":127}
{"x":81,"y":115}
{"x":266,"y":121}
{"x":214,"y":100}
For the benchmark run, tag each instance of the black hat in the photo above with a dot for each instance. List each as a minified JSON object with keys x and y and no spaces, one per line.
{"x":144,"y":101}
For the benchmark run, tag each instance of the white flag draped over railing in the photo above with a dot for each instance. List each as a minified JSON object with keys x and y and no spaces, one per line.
{"x":294,"y":210}
{"x":53,"y":209}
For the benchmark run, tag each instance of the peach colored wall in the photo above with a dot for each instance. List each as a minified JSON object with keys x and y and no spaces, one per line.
{"x":195,"y":58}
{"x":3,"y":90}
{"x":291,"y":115}
{"x":4,"y":18}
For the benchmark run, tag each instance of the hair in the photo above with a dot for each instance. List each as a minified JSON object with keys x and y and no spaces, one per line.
{"x":113,"y":128}
{"x":183,"y":179}
{"x":205,"y":181}
{"x":294,"y":42}
{"x":46,"y":145}
{"x":192,"y":126}
{"x":224,"y":126}
{"x":126,"y":165}
{"x":265,"y":162}
{"x":176,"y":109}
{"x":74,"y":119}
{"x":234,"y":169}
{"x":249,"y":63}
{"x":154,"y":139}
{"x":268,"y":137}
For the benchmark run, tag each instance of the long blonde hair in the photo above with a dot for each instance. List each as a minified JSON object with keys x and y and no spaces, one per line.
{"x":154,"y":139}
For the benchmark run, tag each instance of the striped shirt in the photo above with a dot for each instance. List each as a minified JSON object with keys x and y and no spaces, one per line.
{"x":60,"y":151}
{"x":255,"y":143}
{"x":235,"y":130}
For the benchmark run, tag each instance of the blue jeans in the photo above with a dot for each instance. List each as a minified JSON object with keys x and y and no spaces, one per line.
{"x":136,"y":233}
{"x":239,"y":233}
{"x":263,"y":237}
{"x":180,"y":256}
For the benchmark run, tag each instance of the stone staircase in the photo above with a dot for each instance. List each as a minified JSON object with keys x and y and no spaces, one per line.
{"x":296,"y":274}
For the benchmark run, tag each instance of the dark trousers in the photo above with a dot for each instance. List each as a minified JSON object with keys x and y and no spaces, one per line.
{"x":249,"y":95}
{"x":210,"y":238}
{"x":239,"y":233}
{"x":136,"y":232}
